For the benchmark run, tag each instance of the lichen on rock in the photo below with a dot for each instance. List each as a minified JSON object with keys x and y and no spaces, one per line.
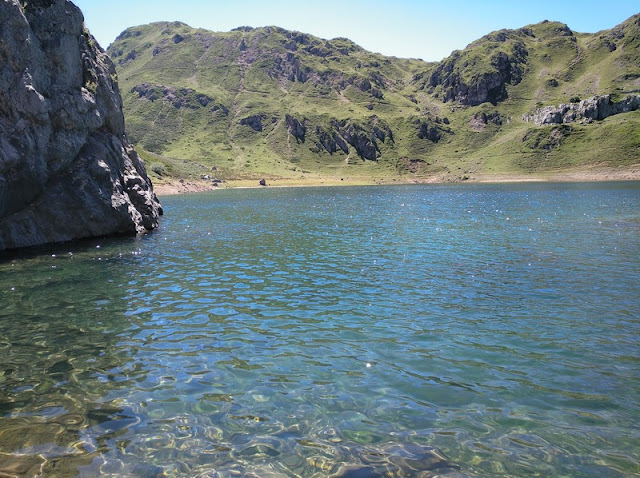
{"x":67,"y":170}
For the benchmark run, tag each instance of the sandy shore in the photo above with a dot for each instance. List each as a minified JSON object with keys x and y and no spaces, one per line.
{"x":608,"y":174}
{"x":172,"y":187}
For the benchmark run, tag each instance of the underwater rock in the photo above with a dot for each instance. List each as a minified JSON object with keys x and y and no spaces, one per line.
{"x":356,"y":471}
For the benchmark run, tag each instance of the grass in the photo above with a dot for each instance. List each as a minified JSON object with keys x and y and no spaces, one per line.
{"x":259,"y":71}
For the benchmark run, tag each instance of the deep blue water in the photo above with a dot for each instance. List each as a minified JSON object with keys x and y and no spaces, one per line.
{"x":466,"y":330}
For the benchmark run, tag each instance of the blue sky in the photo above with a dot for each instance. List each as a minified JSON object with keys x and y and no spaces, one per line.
{"x":405,"y":28}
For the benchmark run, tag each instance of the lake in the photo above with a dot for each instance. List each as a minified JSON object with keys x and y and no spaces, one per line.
{"x":457,"y":330}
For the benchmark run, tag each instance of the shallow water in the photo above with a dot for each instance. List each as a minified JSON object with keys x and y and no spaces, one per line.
{"x":474,"y":330}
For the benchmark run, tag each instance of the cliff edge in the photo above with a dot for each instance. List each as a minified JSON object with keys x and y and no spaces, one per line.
{"x":67,"y":169}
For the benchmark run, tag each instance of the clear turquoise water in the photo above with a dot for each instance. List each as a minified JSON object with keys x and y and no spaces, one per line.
{"x":289,"y":332}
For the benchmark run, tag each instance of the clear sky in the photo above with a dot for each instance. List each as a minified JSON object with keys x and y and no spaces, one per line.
{"x":425,"y":29}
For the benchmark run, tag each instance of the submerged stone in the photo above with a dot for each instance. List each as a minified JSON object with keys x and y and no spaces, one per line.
{"x":356,"y":471}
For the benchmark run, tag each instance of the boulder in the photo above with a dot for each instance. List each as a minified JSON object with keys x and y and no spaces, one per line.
{"x":67,"y":170}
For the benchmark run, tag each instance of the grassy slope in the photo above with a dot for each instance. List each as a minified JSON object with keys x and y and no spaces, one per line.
{"x":252,"y":72}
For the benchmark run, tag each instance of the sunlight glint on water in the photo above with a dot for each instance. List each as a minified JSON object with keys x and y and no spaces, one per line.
{"x":479,"y":330}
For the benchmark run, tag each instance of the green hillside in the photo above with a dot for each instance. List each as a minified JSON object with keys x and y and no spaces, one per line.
{"x":273,"y":103}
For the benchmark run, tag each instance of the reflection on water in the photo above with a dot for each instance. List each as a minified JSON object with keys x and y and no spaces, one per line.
{"x":390,"y":331}
{"x":60,"y":325}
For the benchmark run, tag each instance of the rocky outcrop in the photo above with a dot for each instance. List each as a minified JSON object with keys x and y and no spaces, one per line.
{"x":289,"y":66}
{"x":254,"y":122}
{"x":364,"y":144}
{"x":480,"y":120}
{"x":365,"y":85}
{"x":591,"y":109}
{"x":364,"y":138}
{"x":431,"y":128}
{"x":67,"y":170}
{"x":472,"y":81}
{"x":428,"y":131}
{"x":330,"y":141}
{"x":341,"y":135}
{"x":178,"y":97}
{"x":296,"y":128}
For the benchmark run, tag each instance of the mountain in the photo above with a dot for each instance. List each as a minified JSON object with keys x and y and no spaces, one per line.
{"x":268,"y":102}
{"x":67,"y":170}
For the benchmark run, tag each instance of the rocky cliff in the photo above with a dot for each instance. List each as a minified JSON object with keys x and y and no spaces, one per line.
{"x":67,"y":170}
{"x":595,"y":108}
{"x":473,"y":81}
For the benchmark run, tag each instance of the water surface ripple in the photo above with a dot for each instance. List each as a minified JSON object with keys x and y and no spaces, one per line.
{"x":469,"y":330}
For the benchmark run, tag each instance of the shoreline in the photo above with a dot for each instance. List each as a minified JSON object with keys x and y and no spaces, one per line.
{"x":176,"y":187}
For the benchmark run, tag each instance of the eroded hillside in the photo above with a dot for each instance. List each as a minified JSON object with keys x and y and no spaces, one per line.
{"x":282,"y":104}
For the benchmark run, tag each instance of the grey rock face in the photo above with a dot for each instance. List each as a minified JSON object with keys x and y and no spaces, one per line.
{"x":296,"y":127}
{"x":595,"y":108}
{"x":428,"y":131}
{"x":364,"y":143}
{"x":330,"y":142}
{"x":67,"y":170}
{"x":364,"y":138}
{"x":290,"y":68}
{"x":485,"y":86}
{"x":178,"y":97}
{"x":254,"y":122}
